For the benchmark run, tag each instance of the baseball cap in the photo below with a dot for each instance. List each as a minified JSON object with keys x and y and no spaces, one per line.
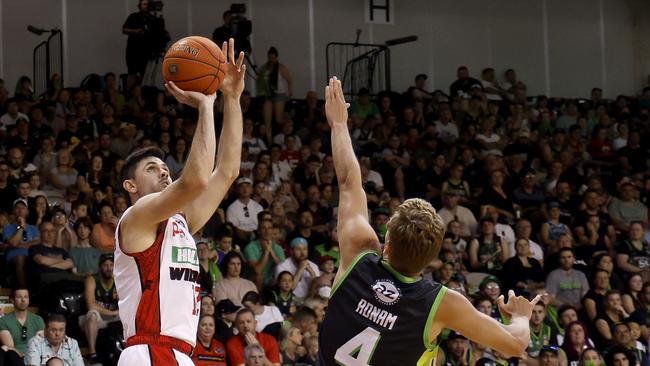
{"x":227,"y":307}
{"x":524,"y":132}
{"x":549,"y":349}
{"x":20,"y":200}
{"x":243,"y":180}
{"x":298,"y":241}
{"x":553,"y":204}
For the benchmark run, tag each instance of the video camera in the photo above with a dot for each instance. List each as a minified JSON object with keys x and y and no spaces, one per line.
{"x":155,"y":29}
{"x":155,"y":5}
{"x":241,"y":27}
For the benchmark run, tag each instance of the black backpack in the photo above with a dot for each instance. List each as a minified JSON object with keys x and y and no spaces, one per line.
{"x":110,"y":344}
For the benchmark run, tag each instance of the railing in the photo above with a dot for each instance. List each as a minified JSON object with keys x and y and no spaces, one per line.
{"x":48,"y":60}
{"x":359,"y":65}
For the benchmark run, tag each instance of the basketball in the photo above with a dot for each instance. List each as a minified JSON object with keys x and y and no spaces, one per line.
{"x":195,"y":64}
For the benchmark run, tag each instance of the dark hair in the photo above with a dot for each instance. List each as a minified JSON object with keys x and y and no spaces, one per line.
{"x":226,"y":260}
{"x":85,"y":221}
{"x":131,"y":162}
{"x":303,"y":313}
{"x":291,"y":274}
{"x":253,"y":297}
{"x":568,"y":346}
{"x":19,"y":288}
{"x":630,"y":355}
{"x":567,"y":250}
{"x":273,"y":51}
{"x":56,"y":317}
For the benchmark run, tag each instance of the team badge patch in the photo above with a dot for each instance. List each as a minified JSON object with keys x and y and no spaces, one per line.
{"x":386,"y":292}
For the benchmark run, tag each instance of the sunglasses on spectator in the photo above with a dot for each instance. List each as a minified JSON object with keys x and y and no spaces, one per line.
{"x":246,"y":213}
{"x":23,"y":334}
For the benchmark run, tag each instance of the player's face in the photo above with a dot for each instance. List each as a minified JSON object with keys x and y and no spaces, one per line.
{"x":246,"y":323}
{"x":21,"y":299}
{"x":55,"y":332}
{"x":206,"y":327}
{"x":151,"y":176}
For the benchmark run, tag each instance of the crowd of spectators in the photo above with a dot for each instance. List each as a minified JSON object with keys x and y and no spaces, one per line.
{"x":540,"y":195}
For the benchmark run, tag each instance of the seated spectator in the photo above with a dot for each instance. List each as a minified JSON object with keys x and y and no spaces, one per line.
{"x":627,"y":209}
{"x":207,"y":305}
{"x":496,"y":195}
{"x":291,"y":339}
{"x":242,"y":213}
{"x":591,"y":357}
{"x":263,"y":254}
{"x":52,"y":264}
{"x":623,"y":339}
{"x":224,"y":245}
{"x":489,"y":141}
{"x":594,"y":300}
{"x":254,"y":355}
{"x":225,"y":315}
{"x":84,"y":256}
{"x":63,"y":175}
{"x":631,"y":296}
{"x":552,"y":228}
{"x":55,"y":361}
{"x":306,"y":320}
{"x":529,"y":196}
{"x":576,"y":340}
{"x":614,"y":313}
{"x":566,"y":315}
{"x":209,"y":273}
{"x":232,"y":286}
{"x":541,"y":334}
{"x":268,"y":317}
{"x":103,"y":233}
{"x":596,"y":238}
{"x":523,"y":273}
{"x":101,"y":301}
{"x":18,"y":327}
{"x":65,"y":235}
{"x":634,"y":253}
{"x":622,"y":357}
{"x":451,"y":210}
{"x":53,"y":344}
{"x":523,"y":230}
{"x":549,"y":356}
{"x":455,"y":351}
{"x":565,"y":284}
{"x":311,"y":344}
{"x":247,"y":335}
{"x":282,"y":295}
{"x":208,"y":351}
{"x":20,"y":236}
{"x":457,"y":183}
{"x":303,"y":270}
{"x":488,"y":251}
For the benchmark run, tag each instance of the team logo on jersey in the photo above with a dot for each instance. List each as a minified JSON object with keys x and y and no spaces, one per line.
{"x":386,"y":292}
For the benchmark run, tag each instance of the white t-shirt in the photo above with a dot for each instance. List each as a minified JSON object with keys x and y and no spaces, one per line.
{"x":270,"y":315}
{"x":493,"y":138}
{"x":375,"y":177}
{"x":447,"y":132}
{"x":466,"y":218}
{"x":535,"y":250}
{"x":302,"y":290}
{"x":7,"y":120}
{"x":490,"y":96}
{"x":244,"y":217}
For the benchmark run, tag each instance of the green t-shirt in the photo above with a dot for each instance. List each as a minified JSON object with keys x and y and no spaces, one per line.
{"x":254,"y":252}
{"x":86,"y":259}
{"x":33,"y":323}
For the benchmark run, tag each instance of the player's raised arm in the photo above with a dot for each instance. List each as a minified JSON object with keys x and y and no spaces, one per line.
{"x":200,"y":210}
{"x":354,"y":230}
{"x":137,"y":230}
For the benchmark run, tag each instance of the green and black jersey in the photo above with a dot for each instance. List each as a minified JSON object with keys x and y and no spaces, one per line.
{"x":376,"y":316}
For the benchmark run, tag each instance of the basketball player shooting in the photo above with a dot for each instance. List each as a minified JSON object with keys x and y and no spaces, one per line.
{"x":381,"y":312}
{"x":156,"y":266}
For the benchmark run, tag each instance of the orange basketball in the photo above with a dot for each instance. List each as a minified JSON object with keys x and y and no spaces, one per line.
{"x":195,"y":64}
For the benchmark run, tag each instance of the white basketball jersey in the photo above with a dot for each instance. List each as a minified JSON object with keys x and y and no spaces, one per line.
{"x":158,"y":289}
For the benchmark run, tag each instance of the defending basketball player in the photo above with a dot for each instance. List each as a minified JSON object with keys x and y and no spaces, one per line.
{"x":381,"y":312}
{"x":156,"y":266}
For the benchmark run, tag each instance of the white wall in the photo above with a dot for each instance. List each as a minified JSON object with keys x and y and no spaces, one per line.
{"x":557,"y":46}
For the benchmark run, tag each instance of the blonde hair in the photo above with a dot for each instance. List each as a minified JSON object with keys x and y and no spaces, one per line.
{"x":415,"y":233}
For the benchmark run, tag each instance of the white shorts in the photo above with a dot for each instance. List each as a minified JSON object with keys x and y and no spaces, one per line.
{"x":103,"y":320}
{"x":152,"y":355}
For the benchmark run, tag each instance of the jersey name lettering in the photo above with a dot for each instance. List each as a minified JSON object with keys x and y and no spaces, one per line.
{"x":379,"y":316}
{"x":183,"y":274}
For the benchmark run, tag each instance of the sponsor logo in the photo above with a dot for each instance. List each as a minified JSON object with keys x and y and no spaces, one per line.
{"x":183,"y":47}
{"x":184,"y":256}
{"x":386,"y":292}
{"x":178,"y":228}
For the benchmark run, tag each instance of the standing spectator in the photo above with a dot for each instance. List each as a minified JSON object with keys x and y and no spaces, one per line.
{"x":208,"y":351}
{"x":20,"y":236}
{"x":634,"y":252}
{"x":627,"y":208}
{"x":275,"y":84}
{"x":268,"y":317}
{"x":101,"y":301}
{"x":18,"y":327}
{"x":232,"y":287}
{"x":242,"y":213}
{"x":566,"y":285}
{"x":54,"y":344}
{"x":263,"y":254}
{"x":137,"y":49}
{"x":247,"y":335}
{"x":52,"y":264}
{"x":303,"y":270}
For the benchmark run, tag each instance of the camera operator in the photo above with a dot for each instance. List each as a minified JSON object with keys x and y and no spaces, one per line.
{"x":223,"y":33}
{"x":147,"y":36}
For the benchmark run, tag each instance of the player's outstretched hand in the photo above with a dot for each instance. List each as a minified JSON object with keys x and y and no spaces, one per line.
{"x":191,"y":98}
{"x":517,"y":306}
{"x":233,"y":83}
{"x":336,"y":109}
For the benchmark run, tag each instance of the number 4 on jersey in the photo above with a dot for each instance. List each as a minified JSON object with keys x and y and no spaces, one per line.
{"x":358,"y":350}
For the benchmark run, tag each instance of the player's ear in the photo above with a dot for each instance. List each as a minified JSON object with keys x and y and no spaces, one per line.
{"x":130,"y":186}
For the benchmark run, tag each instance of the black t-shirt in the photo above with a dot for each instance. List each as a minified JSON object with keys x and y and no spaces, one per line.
{"x":378,"y":317}
{"x":492,"y":197}
{"x":463,"y":87}
{"x":8,"y":195}
{"x":50,"y":252}
{"x":137,"y":20}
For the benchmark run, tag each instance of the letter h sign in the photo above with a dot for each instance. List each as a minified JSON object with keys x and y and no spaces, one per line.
{"x":380,"y":11}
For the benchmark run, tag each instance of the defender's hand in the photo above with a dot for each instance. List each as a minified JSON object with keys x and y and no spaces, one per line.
{"x":336,"y":109}
{"x":517,"y":306}
{"x":191,"y":98}
{"x":233,"y":83}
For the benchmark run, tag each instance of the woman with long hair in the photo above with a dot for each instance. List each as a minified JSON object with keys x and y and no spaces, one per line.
{"x":576,"y":340}
{"x":291,"y":339}
{"x":208,"y":351}
{"x":232,"y":286}
{"x":594,"y":300}
{"x":40,"y":211}
{"x":632,"y":292}
{"x":487,"y":252}
{"x":84,"y":255}
{"x":523,"y":273}
{"x":176,"y":160}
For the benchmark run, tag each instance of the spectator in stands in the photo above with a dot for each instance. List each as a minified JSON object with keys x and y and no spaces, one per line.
{"x":225,"y":315}
{"x":633,"y":253}
{"x":455,"y":351}
{"x":627,"y":208}
{"x":12,"y":115}
{"x":208,"y":351}
{"x":463,"y":85}
{"x":242,"y":213}
{"x":565,"y":284}
{"x":209,"y":273}
{"x":529,"y":196}
{"x":523,"y":273}
{"x":254,"y":355}
{"x":591,"y":357}
{"x":232,"y":286}
{"x":291,"y":339}
{"x":268,"y":317}
{"x":282,"y":295}
{"x":101,"y":301}
{"x":594,"y":299}
{"x":54,"y":343}
{"x":66,"y":238}
{"x":552,"y":228}
{"x":52,"y":264}
{"x":20,"y":236}
{"x":549,"y":356}
{"x":103,"y":233}
{"x":263,"y":254}
{"x":303,"y":270}
{"x":19,"y":167}
{"x":487,"y":252}
{"x":614,"y":313}
{"x":453,"y":211}
{"x":306,"y":320}
{"x":7,"y":190}
{"x":84,"y":255}
{"x":576,"y":341}
{"x":247,"y":335}
{"x":622,"y":357}
{"x":18,"y":327}
{"x":631,"y":296}
{"x":541,"y":334}
{"x":457,"y":183}
{"x":306,"y":232}
{"x":363,"y":107}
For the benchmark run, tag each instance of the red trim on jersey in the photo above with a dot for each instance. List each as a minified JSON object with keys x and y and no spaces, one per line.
{"x":161,"y":356}
{"x":162,"y":341}
{"x":147,"y":317}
